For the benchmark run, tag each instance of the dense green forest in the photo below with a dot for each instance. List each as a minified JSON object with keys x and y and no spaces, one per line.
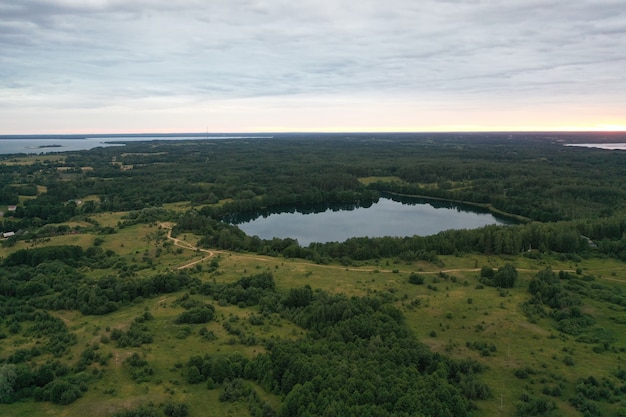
{"x":534,"y":178}
{"x":117,"y":254}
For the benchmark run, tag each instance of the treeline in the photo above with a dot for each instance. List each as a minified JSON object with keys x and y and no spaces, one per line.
{"x":572,"y":239}
{"x":258,"y":205}
{"x":50,"y":278}
{"x":32,"y":257}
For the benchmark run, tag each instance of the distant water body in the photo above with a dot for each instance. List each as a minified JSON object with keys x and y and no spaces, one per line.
{"x":49,"y":144}
{"x":608,"y":146}
{"x":44,"y":146}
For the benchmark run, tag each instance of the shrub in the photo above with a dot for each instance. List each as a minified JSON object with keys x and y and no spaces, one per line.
{"x":197,"y":315}
{"x":416,"y":279}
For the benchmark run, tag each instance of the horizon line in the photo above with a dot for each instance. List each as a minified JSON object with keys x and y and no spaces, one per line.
{"x":261,"y":134}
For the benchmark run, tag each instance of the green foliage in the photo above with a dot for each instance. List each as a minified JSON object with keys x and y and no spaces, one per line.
{"x":487,"y":272}
{"x":44,"y":325}
{"x":390,"y":372}
{"x":139,"y":369}
{"x":358,"y":355}
{"x":547,"y":290}
{"x":531,"y":406}
{"x":504,"y":278}
{"x":248,"y":290}
{"x":591,"y":391}
{"x":298,"y":297}
{"x":54,"y":285}
{"x":35,"y":256}
{"x":197,"y":315}
{"x":531,"y":176}
{"x":8,"y":376}
{"x":218,"y":369}
{"x":62,"y":392}
{"x":169,"y":409}
{"x":525,"y":372}
{"x":234,"y":391}
{"x":485,"y":349}
{"x":137,"y":335}
{"x":416,"y":279}
{"x":9,"y":195}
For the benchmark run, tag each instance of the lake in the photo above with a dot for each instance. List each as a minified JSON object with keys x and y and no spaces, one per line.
{"x":47,"y":144}
{"x":44,"y":145}
{"x":387,"y":217}
{"x":607,"y":146}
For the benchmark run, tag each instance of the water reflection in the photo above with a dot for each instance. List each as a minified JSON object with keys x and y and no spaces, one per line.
{"x":388,"y":216}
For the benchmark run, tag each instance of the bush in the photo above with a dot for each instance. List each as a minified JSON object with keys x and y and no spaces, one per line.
{"x":62,"y":392}
{"x":534,"y":406}
{"x":523,"y":373}
{"x":197,"y":315}
{"x":416,"y":279}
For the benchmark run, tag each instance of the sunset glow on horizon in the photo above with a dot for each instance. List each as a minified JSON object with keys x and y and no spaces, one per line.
{"x":74,"y":66}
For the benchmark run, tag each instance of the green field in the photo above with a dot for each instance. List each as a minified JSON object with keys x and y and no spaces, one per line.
{"x":124,"y":292}
{"x":446,"y":313}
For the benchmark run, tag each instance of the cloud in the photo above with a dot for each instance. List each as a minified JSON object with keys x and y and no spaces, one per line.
{"x":92,"y":53}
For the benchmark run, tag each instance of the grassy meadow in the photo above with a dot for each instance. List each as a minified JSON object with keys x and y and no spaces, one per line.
{"x":451,"y":312}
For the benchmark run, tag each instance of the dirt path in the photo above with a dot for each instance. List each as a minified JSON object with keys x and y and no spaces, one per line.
{"x":186,"y":245}
{"x":210,"y":253}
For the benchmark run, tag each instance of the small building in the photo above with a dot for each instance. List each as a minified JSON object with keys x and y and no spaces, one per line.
{"x":12,"y":208}
{"x":7,"y":235}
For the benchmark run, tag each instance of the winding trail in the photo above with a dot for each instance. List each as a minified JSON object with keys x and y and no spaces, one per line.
{"x":211,"y":253}
{"x":186,"y":245}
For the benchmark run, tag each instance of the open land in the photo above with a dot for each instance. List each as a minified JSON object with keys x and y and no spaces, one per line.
{"x":149,"y":302}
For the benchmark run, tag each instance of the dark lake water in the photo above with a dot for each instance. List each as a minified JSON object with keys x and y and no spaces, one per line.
{"x":387,"y":217}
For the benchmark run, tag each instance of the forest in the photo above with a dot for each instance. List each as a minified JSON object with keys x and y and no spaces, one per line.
{"x":126,"y":289}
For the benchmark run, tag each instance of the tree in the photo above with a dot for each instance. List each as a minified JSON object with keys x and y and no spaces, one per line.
{"x":506,"y":276}
{"x":487,"y":272}
{"x":62,"y":392}
{"x":416,"y":279}
{"x":7,"y":380}
{"x":194,"y":376}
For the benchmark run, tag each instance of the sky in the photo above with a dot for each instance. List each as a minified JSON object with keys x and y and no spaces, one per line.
{"x":132,"y":66}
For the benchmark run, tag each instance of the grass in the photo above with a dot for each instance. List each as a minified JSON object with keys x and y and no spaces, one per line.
{"x":447,"y":312}
{"x":33,"y":159}
{"x":115,"y":390}
{"x":179,"y":207}
{"x":371,"y":180}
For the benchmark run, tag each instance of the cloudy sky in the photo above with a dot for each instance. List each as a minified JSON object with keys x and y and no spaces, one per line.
{"x":78,"y":66}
